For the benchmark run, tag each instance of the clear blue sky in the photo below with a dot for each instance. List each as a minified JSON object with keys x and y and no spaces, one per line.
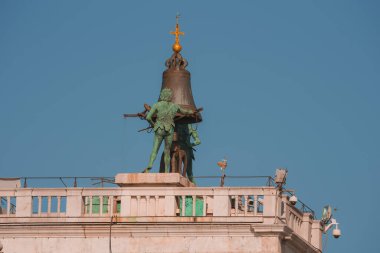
{"x":283,"y":84}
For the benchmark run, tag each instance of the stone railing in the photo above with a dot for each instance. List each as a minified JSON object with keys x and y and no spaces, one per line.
{"x":302,"y":223}
{"x":138,"y":202}
{"x":294,"y":218}
{"x":7,"y":205}
{"x":157,"y":204}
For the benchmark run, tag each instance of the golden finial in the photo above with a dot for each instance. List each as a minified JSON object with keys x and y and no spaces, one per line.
{"x":176,"y":46}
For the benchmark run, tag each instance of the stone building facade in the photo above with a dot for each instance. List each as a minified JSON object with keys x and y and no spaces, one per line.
{"x":154,"y":213}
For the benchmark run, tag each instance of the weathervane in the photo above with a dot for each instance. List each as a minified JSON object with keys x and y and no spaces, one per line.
{"x":222,"y":165}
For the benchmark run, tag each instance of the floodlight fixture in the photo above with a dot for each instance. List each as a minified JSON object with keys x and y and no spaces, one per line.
{"x":280,"y":178}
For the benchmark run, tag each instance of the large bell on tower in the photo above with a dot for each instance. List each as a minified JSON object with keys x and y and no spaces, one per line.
{"x":177,"y":78}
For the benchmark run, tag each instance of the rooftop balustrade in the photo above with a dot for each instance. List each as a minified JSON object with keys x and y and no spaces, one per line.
{"x":261,"y":205}
{"x":255,"y":205}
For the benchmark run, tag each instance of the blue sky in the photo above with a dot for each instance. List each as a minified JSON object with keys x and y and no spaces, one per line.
{"x":290,"y":84}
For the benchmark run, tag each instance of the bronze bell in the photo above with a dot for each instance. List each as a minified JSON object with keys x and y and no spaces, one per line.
{"x":177,"y":78}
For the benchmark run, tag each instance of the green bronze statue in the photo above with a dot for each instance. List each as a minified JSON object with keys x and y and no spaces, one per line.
{"x":163,"y":126}
{"x":185,"y":133}
{"x":182,"y":151}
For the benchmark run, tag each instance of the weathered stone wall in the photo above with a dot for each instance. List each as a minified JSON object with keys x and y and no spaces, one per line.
{"x":222,"y":244}
{"x":155,"y":219}
{"x":137,"y":237}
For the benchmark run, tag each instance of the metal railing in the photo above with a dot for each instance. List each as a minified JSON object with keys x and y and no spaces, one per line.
{"x":102,"y":181}
{"x":301,"y":206}
{"x":73,"y":181}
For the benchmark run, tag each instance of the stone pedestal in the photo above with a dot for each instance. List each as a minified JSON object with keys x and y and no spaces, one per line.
{"x":152,"y":180}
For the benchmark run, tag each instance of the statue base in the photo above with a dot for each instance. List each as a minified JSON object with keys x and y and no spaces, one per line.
{"x":152,"y":180}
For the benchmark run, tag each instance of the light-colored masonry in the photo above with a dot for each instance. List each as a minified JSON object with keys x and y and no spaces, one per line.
{"x":154,"y":213}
